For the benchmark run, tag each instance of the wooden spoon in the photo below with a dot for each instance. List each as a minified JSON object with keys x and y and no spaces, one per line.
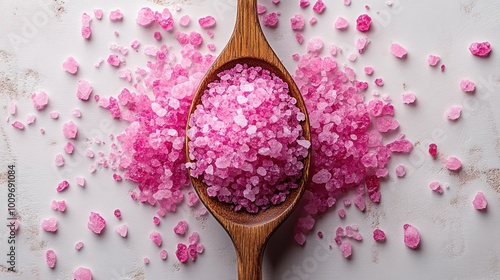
{"x":250,"y":232}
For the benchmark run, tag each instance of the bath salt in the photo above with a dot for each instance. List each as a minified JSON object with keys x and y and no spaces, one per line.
{"x":116,"y":15}
{"x":163,"y":254}
{"x":436,"y":186}
{"x":346,"y":249}
{"x":207,"y":22}
{"x":117,"y":213}
{"x":80,"y":181}
{"x":122,"y":230}
{"x":362,"y":43}
{"x":78,"y":245}
{"x":54,"y":115}
{"x":409,"y":97}
{"x":453,"y":164}
{"x":40,"y":100}
{"x":363,"y":23}
{"x":385,"y":124}
{"x":58,"y":205}
{"x":319,"y":7}
{"x":341,"y":23}
{"x":297,"y":22}
{"x":114,"y":60}
{"x":479,"y":201}
{"x":433,"y":149}
{"x":50,"y":258}
{"x":156,"y":221}
{"x":467,"y":85}
{"x":313,"y":21}
{"x":156,"y":238}
{"x":411,"y":236}
{"x":62,"y":186}
{"x":157,"y":36}
{"x":96,"y":223}
{"x":12,"y":108}
{"x":49,"y":225}
{"x":181,"y":228}
{"x":398,"y":51}
{"x":30,"y":118}
{"x":433,"y":60}
{"x":314,"y":45}
{"x":304,"y":3}
{"x":299,"y":37}
{"x":271,"y":19}
{"x":98,"y":13}
{"x":145,"y":260}
{"x":195,"y":39}
{"x":117,"y":177}
{"x":70,"y":65}
{"x":86,"y":31}
{"x":400,"y":146}
{"x":211,"y":47}
{"x":17,"y":124}
{"x":70,"y":130}
{"x":236,"y":178}
{"x":341,"y":213}
{"x":378,"y":235}
{"x":182,"y":252}
{"x":379,"y":82}
{"x":82,"y":273}
{"x":400,"y":170}
{"x":261,"y":9}
{"x":443,"y":67}
{"x":184,"y":20}
{"x":145,"y":16}
{"x":76,"y":113}
{"x":481,"y":49}
{"x":453,"y":113}
{"x":352,"y":57}
{"x":347,"y":2}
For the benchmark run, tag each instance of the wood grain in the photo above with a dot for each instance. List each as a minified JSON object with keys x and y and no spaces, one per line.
{"x":250,"y":232}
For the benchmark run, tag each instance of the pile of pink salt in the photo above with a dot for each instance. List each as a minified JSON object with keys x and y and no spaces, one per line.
{"x":246,"y":140}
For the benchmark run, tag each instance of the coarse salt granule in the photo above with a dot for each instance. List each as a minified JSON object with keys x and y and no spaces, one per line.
{"x":481,"y":49}
{"x":80,"y":181}
{"x":122,"y":230}
{"x":59,"y":160}
{"x":70,"y":130}
{"x":363,"y":23}
{"x":207,"y":22}
{"x":84,"y":90}
{"x":40,"y":100}
{"x":12,"y":108}
{"x":453,"y":164}
{"x":436,"y":186}
{"x":62,"y":186}
{"x":379,"y":235}
{"x":86,"y":31}
{"x":304,"y":3}
{"x":163,"y":254}
{"x":96,"y":223}
{"x":76,"y":113}
{"x":54,"y":115}
{"x":98,"y":13}
{"x":30,"y":118}
{"x":346,"y":249}
{"x":398,"y":50}
{"x":314,"y":45}
{"x":184,"y":20}
{"x":479,"y":201}
{"x":145,"y":16}
{"x":50,"y":258}
{"x":181,"y":227}
{"x":341,"y":23}
{"x":319,"y":7}
{"x":145,"y":260}
{"x":261,"y":9}
{"x":182,"y":252}
{"x":271,"y":19}
{"x":82,"y":273}
{"x":454,"y":112}
{"x":409,"y":97}
{"x":70,"y":65}
{"x":58,"y":205}
{"x":297,"y":22}
{"x":411,"y":236}
{"x":117,"y":213}
{"x":116,"y":15}
{"x":433,"y":149}
{"x":17,"y":124}
{"x":49,"y":225}
{"x":156,"y":238}
{"x":362,"y":43}
{"x":467,"y":85}
{"x":78,"y":245}
{"x":386,"y":123}
{"x":400,"y":170}
{"x":433,"y":60}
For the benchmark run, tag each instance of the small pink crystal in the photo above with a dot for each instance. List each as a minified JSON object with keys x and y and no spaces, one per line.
{"x":297,"y":22}
{"x":481,"y":49}
{"x":114,"y":60}
{"x":163,"y":254}
{"x":433,"y":60}
{"x":82,"y":273}
{"x":49,"y":225}
{"x":479,"y":201}
{"x":207,"y":22}
{"x":271,"y":19}
{"x":400,"y":170}
{"x":363,"y":23}
{"x":319,"y":7}
{"x":409,"y":97}
{"x":314,"y":45}
{"x":84,"y":90}
{"x":145,"y":17}
{"x":115,"y":15}
{"x":17,"y":124}
{"x":453,"y":113}
{"x":182,"y":252}
{"x":156,"y":238}
{"x":411,"y":236}
{"x":398,"y":50}
{"x":98,"y":14}
{"x":467,"y":85}
{"x":433,"y":149}
{"x":30,"y":118}
{"x":40,"y":100}
{"x":62,"y":186}
{"x":378,"y":235}
{"x":96,"y":223}
{"x":69,"y":148}
{"x":70,"y":130}
{"x":70,"y":65}
{"x":181,"y":227}
{"x":122,"y":230}
{"x":341,"y":23}
{"x":453,"y":164}
{"x":58,"y":205}
{"x":346,"y":249}
{"x":118,"y":213}
{"x":50,"y":258}
{"x":80,"y":181}
{"x":436,"y":186}
{"x":78,"y":245}
{"x":59,"y":160}
{"x":385,"y":124}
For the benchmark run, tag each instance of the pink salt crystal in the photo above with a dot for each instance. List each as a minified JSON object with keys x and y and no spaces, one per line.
{"x":182,"y":252}
{"x":70,"y":130}
{"x":54,"y":115}
{"x":49,"y":225}
{"x":117,"y":177}
{"x":195,"y":39}
{"x":82,"y":273}
{"x":98,"y":14}
{"x":297,"y":22}
{"x":380,"y":173}
{"x":346,"y":249}
{"x":385,"y":124}
{"x":314,"y":45}
{"x":165,"y":19}
{"x":157,"y":36}
{"x":58,"y":205}
{"x":17,"y":124}
{"x":50,"y":258}
{"x":304,"y":3}
{"x":299,"y":37}
{"x":320,"y":234}
{"x":433,"y":149}
{"x":192,"y":198}
{"x":261,"y":9}
{"x":156,"y":238}
{"x":207,"y":22}
{"x":122,"y":230}
{"x":400,"y":170}
{"x":76,"y":113}
{"x":211,"y":47}
{"x":453,"y":113}
{"x":443,"y":67}
{"x":86,"y":31}
{"x":363,"y":23}
{"x":319,"y":7}
{"x":163,"y":254}
{"x":398,"y":50}
{"x":12,"y":108}
{"x":479,"y":201}
{"x":78,"y":245}
{"x":84,"y":90}
{"x":146,"y":260}
{"x":400,"y":146}
{"x":135,"y":44}
{"x":210,"y":33}
{"x":80,"y":181}
{"x":313,"y":21}
{"x":347,"y":2}
{"x":411,"y":236}
{"x":145,"y":17}
{"x":481,"y":49}
{"x":433,"y":60}
{"x":271,"y":19}
{"x":453,"y":164}
{"x":341,"y":213}
{"x":62,"y":186}
{"x":115,"y":15}
{"x":379,"y":235}
{"x":276,"y":1}
{"x":156,"y":221}
{"x":40,"y":100}
{"x":467,"y":85}
{"x":30,"y":118}
{"x":359,"y":201}
{"x":117,"y":213}
{"x":70,"y":65}
{"x":184,"y":20}
{"x":352,"y":57}
{"x":409,"y":97}
{"x":436,"y":186}
{"x":341,"y":23}
{"x":181,"y":228}
{"x":379,"y":82}
{"x":96,"y":223}
{"x":114,"y":60}
{"x":362,"y":43}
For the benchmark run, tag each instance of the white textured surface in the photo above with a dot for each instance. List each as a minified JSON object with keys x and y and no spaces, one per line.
{"x":458,"y":242}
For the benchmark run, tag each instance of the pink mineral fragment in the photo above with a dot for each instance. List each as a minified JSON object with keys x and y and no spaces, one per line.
{"x":116,"y":15}
{"x":314,"y":45}
{"x":479,"y":201}
{"x":379,"y":235}
{"x":398,"y":50}
{"x":297,"y":22}
{"x":58,"y":205}
{"x":409,"y":97}
{"x":181,"y":228}
{"x":319,"y":6}
{"x":481,"y":49}
{"x":433,"y":60}
{"x":80,"y":181}
{"x":207,"y":22}
{"x":363,"y":23}
{"x":30,"y":118}
{"x":361,"y":44}
{"x":386,"y":123}
{"x":70,"y":65}
{"x":62,"y":186}
{"x":78,"y":245}
{"x":453,"y":164}
{"x":163,"y":254}
{"x":82,"y":273}
{"x":98,"y":13}
{"x":50,"y":258}
{"x":433,"y":149}
{"x":436,"y":186}
{"x":467,"y":85}
{"x":96,"y":223}
{"x":40,"y":100}
{"x":84,"y":90}
{"x":86,"y":31}
{"x":114,"y":60}
{"x":156,"y":238}
{"x":17,"y":124}
{"x":182,"y":252}
{"x":271,"y":19}
{"x":341,"y":23}
{"x":346,"y":249}
{"x":411,"y":236}
{"x":145,"y":17}
{"x":70,"y":130}
{"x":400,"y":170}
{"x":49,"y":225}
{"x":59,"y":160}
{"x":453,"y":113}
{"x":122,"y":230}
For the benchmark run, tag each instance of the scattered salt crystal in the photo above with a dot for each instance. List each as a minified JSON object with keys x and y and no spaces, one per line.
{"x":346,"y":249}
{"x":182,"y":252}
{"x":115,"y":15}
{"x":181,"y":228}
{"x":146,"y":260}
{"x":49,"y":225}
{"x":299,"y":37}
{"x":361,"y":44}
{"x":58,"y":205}
{"x":70,"y":65}
{"x":379,"y":82}
{"x":70,"y":130}
{"x":319,"y":7}
{"x":156,"y":221}
{"x":341,"y":23}
{"x":122,"y":230}
{"x":385,"y":124}
{"x":17,"y":124}
{"x":12,"y":108}
{"x":347,"y":2}
{"x":314,"y":45}
{"x":400,"y":170}
{"x":400,"y":146}
{"x":117,"y":213}
{"x":341,"y":213}
{"x":114,"y":60}
{"x":453,"y":164}
{"x":409,"y":97}
{"x":76,"y":113}
{"x":454,"y":112}
{"x":96,"y":223}
{"x":184,"y":20}
{"x":211,"y":47}
{"x":433,"y":149}
{"x":436,"y":186}
{"x":50,"y":258}
{"x":411,"y":236}
{"x":271,"y":19}
{"x":261,"y":9}
{"x":379,"y":235}
{"x":479,"y":201}
{"x":398,"y":50}
{"x":467,"y":85}
{"x":78,"y":245}
{"x":82,"y":273}
{"x":62,"y":186}
{"x":80,"y":181}
{"x":359,"y":201}
{"x":313,"y":21}
{"x":156,"y":238}
{"x":30,"y":118}
{"x":54,"y":115}
{"x":433,"y":60}
{"x":297,"y":22}
{"x":207,"y":22}
{"x":363,"y":23}
{"x":481,"y":49}
{"x":443,"y":67}
{"x":40,"y":100}
{"x":163,"y":254}
{"x":98,"y":14}
{"x":304,"y":3}
{"x":84,"y":90}
{"x":145,"y":17}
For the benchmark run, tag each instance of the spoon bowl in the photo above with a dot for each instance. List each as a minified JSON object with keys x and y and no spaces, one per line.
{"x":250,"y":232}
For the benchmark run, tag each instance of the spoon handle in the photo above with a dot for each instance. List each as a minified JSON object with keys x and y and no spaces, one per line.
{"x":249,"y":243}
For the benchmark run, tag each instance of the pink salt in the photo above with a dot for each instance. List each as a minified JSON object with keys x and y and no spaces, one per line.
{"x":479,"y":201}
{"x":453,"y":164}
{"x":467,"y":85}
{"x":409,"y":97}
{"x":122,"y":230}
{"x":40,"y":100}
{"x":363,"y":23}
{"x":341,"y":213}
{"x":49,"y":225}
{"x":436,"y":186}
{"x":362,"y":43}
{"x":398,"y":50}
{"x":82,"y":273}
{"x":297,"y":22}
{"x":313,"y":21}
{"x":12,"y":108}
{"x":163,"y":254}
{"x":400,"y":170}
{"x":30,"y":118}
{"x":400,"y":146}
{"x":341,"y":23}
{"x":304,"y":3}
{"x":481,"y":49}
{"x":433,"y":60}
{"x":385,"y":124}
{"x":146,"y":260}
{"x":271,"y":19}
{"x":118,"y":213}
{"x":184,"y":20}
{"x":114,"y":60}
{"x":299,"y":37}
{"x":314,"y":45}
{"x":454,"y":112}
{"x":145,"y":16}
{"x":116,"y":15}
{"x":98,"y":14}
{"x":207,"y":22}
{"x":17,"y":124}
{"x":70,"y":65}
{"x":86,"y":31}
{"x":379,"y":235}
{"x":54,"y":115}
{"x":50,"y":258}
{"x":261,"y":9}
{"x":80,"y":181}
{"x":156,"y":238}
{"x":156,"y":221}
{"x":411,"y":236}
{"x":379,"y":82}
{"x":70,"y":130}
{"x":96,"y":223}
{"x":78,"y":245}
{"x":346,"y":249}
{"x":62,"y":186}
{"x":347,"y":2}
{"x":58,"y":205}
{"x":182,"y":252}
{"x":181,"y":228}
{"x":76,"y":113}
{"x":319,"y":7}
